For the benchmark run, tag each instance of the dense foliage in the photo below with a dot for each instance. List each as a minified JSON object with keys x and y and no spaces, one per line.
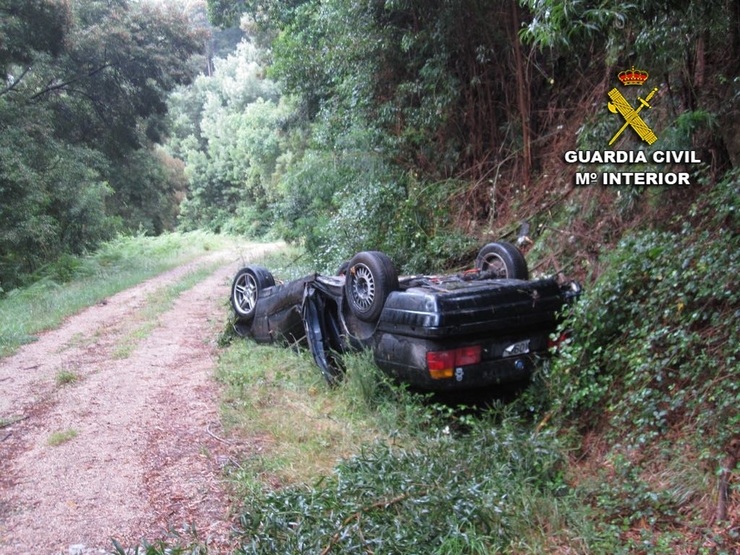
{"x":82,"y":101}
{"x":653,"y":372}
{"x":472,"y":494}
{"x":437,"y":116}
{"x":659,"y":324}
{"x":390,"y":105}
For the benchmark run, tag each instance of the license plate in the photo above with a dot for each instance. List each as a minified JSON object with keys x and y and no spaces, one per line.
{"x":518,"y":348}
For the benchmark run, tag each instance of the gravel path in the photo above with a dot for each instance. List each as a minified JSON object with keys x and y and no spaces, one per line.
{"x":148,"y":449}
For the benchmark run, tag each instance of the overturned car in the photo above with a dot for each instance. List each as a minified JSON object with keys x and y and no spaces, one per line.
{"x":486,"y":326}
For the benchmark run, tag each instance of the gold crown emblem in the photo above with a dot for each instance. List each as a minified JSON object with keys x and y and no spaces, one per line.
{"x":633,"y":76}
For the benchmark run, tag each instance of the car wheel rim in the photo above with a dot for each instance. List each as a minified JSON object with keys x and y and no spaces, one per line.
{"x":363,"y":287}
{"x":494,"y":263}
{"x":245,"y":293}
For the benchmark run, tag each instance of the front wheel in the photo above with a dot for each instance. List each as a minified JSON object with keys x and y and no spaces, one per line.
{"x":246,"y":288}
{"x":503,"y":259}
{"x":370,"y":278}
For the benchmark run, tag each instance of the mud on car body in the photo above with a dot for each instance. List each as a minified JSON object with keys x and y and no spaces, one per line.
{"x":490,"y":325}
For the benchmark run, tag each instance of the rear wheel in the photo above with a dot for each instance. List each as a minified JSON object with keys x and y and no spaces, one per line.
{"x":371,"y":276}
{"x":246,"y":288}
{"x":503,"y":259}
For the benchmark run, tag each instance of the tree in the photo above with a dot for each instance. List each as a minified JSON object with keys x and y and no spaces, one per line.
{"x":120,"y":64}
{"x":227,"y":128}
{"x":84,"y":103}
{"x":28,"y":28}
{"x":266,"y":13}
{"x":692,"y":47}
{"x":472,"y":92}
{"x":432,"y":90}
{"x":53,"y":193}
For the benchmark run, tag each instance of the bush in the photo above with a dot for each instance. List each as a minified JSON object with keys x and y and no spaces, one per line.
{"x":478,"y":493}
{"x":341,"y":204}
{"x":656,"y":343}
{"x":655,"y":334}
{"x":653,"y":367}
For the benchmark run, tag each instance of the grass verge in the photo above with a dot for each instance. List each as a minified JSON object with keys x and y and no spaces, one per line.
{"x":369,"y":467}
{"x":277,"y":399}
{"x":76,"y":283}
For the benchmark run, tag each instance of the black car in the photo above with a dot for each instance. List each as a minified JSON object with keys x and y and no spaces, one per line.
{"x":486,"y":326}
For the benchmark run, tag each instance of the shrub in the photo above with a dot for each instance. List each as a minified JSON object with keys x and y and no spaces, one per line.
{"x":478,"y":493}
{"x":655,"y":358}
{"x":656,"y":338}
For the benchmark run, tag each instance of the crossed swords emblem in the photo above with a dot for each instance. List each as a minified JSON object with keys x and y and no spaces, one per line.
{"x":631,"y":115}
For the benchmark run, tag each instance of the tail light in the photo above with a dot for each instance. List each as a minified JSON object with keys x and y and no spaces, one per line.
{"x":442,"y":364}
{"x":553,"y":344}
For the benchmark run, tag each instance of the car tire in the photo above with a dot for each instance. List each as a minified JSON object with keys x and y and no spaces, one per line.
{"x":371,"y":276}
{"x":246,"y":288}
{"x":504,"y":259}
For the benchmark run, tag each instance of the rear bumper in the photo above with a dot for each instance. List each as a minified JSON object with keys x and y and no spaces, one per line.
{"x":404,"y":359}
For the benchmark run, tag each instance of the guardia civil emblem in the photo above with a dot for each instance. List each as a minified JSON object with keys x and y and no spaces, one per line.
{"x":619,"y":104}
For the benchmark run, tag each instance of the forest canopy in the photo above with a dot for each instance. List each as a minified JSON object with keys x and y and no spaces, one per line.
{"x":421,"y":128}
{"x":415,"y":127}
{"x":83,"y":101}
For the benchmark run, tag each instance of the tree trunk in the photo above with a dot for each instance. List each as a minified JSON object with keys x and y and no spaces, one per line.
{"x":523,"y":100}
{"x":728,"y":466}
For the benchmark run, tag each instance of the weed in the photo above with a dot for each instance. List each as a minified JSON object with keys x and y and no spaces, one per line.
{"x":178,"y":542}
{"x":66,"y":377}
{"x":6,"y":422}
{"x":476,"y":493}
{"x":369,"y":394}
{"x":390,"y":470}
{"x":62,"y":436}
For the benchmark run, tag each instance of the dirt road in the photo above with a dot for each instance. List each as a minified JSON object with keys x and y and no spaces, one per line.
{"x":141,"y":409}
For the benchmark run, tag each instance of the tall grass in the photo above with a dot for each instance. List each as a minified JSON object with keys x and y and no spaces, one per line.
{"x":497,"y":488}
{"x":370,"y":467}
{"x":75,"y":283}
{"x":277,"y":398}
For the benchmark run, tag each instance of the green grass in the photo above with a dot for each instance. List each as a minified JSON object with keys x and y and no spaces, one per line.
{"x":368,"y":466}
{"x":62,"y":436}
{"x":290,"y":262}
{"x":82,"y":282}
{"x":66,"y":377}
{"x":277,"y":398}
{"x":498,"y":488}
